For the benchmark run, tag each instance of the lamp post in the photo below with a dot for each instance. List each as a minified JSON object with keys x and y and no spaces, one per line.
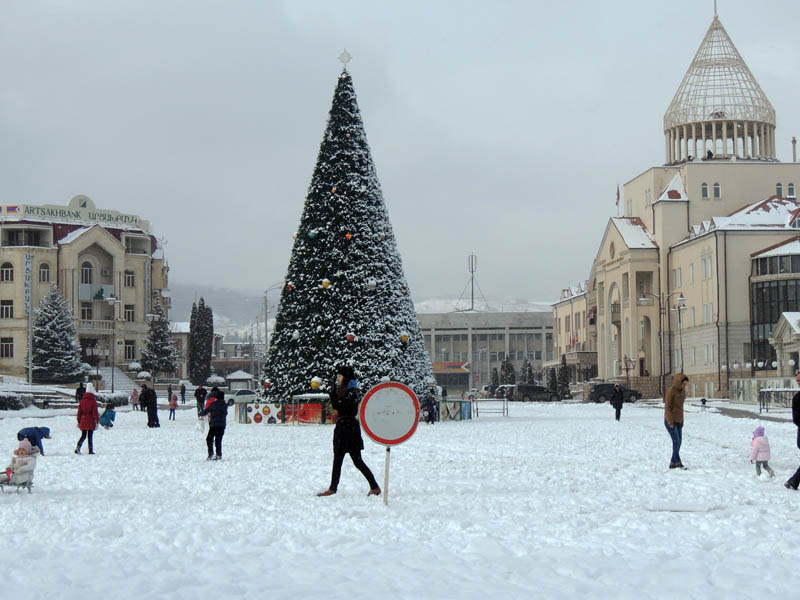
{"x":679,"y":308}
{"x":663,"y":299}
{"x":112,"y":301}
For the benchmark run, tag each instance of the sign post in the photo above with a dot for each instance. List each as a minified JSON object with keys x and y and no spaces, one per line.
{"x":389,"y":415}
{"x":27,"y":281}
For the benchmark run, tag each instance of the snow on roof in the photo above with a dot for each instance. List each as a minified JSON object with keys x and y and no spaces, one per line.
{"x":179,"y":327}
{"x":73,"y":235}
{"x":158,"y":254}
{"x":238,"y":376}
{"x":784,"y":248}
{"x":771,"y":214}
{"x":793,"y":318}
{"x":633,"y":232}
{"x":675,"y":190}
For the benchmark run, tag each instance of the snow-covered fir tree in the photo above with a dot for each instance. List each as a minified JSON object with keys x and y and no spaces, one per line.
{"x":159,"y":354}
{"x":201,"y":341}
{"x":552,"y":382}
{"x":345,"y":298}
{"x":495,"y":376}
{"x":526,"y":372}
{"x":508,"y":374}
{"x":55,"y":350}
{"x":563,"y":377}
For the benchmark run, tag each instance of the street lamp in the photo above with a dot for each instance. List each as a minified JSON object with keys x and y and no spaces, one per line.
{"x":663,"y":299}
{"x":274,"y":286}
{"x":679,"y":308}
{"x":112,"y":301}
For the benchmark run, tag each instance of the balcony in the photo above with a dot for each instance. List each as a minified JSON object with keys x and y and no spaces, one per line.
{"x":89,"y":291}
{"x":97,"y":326}
{"x":615,"y":312}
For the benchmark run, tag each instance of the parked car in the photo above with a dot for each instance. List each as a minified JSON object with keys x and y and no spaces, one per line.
{"x":533,"y":393}
{"x":502,"y":391}
{"x":472,"y":394}
{"x":244,"y":395}
{"x":602,"y":392}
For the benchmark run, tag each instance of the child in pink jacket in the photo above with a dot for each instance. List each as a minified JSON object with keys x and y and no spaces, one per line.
{"x":173,"y":404}
{"x":759,"y":451}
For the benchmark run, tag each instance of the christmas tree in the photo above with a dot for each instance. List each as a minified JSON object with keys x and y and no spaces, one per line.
{"x":159,"y":354}
{"x":201,"y":340}
{"x":55,"y":351}
{"x":345,"y":298}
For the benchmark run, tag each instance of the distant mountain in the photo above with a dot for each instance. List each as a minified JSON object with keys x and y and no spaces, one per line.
{"x":238,"y":313}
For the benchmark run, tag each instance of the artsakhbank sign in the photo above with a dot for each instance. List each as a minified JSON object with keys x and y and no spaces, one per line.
{"x":80,"y":208}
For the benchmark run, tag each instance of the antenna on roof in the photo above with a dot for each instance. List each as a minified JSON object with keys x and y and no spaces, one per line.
{"x":472,"y":265}
{"x":715,"y":9}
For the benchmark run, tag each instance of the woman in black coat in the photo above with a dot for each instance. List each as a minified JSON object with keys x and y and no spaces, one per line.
{"x":617,"y":400}
{"x":347,"y":432}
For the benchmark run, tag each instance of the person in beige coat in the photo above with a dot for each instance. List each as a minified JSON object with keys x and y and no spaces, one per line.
{"x":673,"y":417}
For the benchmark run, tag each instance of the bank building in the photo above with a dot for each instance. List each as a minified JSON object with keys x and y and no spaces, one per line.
{"x":109,"y":267}
{"x":705,"y":260}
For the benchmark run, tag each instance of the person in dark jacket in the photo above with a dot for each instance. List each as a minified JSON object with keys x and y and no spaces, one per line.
{"x":149,"y":401}
{"x":673,"y":417}
{"x":794,"y":480}
{"x":200,"y":396}
{"x":217,"y":412}
{"x":183,"y":393}
{"x":617,"y":400}
{"x":88,"y":418}
{"x":429,"y":406}
{"x":347,"y":432}
{"x":34,"y":435}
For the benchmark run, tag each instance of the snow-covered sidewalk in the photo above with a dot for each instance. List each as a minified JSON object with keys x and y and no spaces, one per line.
{"x":556,"y":501}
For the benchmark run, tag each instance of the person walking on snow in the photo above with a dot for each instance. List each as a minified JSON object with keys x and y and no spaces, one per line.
{"x":794,"y":480}
{"x":88,"y":418}
{"x":183,"y":393}
{"x":673,"y":417}
{"x":617,"y":400}
{"x":217,"y":411}
{"x":200,"y":397}
{"x":173,"y":404}
{"x":759,"y":451}
{"x":347,"y":432}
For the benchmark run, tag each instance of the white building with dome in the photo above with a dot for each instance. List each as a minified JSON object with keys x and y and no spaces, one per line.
{"x":692,"y":277}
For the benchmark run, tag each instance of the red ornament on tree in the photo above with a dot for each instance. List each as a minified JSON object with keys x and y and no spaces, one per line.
{"x":348,"y":235}
{"x":333,"y":191}
{"x":350,"y":337}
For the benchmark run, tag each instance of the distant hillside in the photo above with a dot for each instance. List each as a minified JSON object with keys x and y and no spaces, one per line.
{"x":236,"y":312}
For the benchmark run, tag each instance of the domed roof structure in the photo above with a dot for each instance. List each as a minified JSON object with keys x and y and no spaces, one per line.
{"x":720,"y":103}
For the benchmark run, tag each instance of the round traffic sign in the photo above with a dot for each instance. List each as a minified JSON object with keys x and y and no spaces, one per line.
{"x":389,"y":413}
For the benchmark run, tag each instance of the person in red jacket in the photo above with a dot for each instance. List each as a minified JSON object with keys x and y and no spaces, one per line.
{"x":88,"y":418}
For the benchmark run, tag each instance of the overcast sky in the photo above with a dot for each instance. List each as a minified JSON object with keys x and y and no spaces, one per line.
{"x":497,"y":128}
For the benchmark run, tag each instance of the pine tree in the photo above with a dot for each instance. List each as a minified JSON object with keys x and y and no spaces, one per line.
{"x":563,"y":378}
{"x":507,"y":373}
{"x":346,"y":299}
{"x":191,"y":351}
{"x":201,"y":338}
{"x":159,"y":354}
{"x":495,"y":376}
{"x":526,"y":372}
{"x":55,"y":350}
{"x":552,"y":382}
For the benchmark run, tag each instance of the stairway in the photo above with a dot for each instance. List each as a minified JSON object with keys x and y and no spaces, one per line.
{"x":122,"y":383}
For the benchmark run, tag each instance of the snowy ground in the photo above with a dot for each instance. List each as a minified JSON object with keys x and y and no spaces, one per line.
{"x":556,"y":501}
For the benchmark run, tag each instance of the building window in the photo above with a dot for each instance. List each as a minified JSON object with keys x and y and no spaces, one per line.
{"x":7,"y":272}
{"x":694,"y":356}
{"x":7,"y":347}
{"x":130,"y":313}
{"x":691,"y":317}
{"x":86,"y":311}
{"x":790,"y":190}
{"x":86,"y":272}
{"x":779,"y":190}
{"x":704,"y":191}
{"x":44,"y":273}
{"x":6,"y":309}
{"x":717,"y":191}
{"x":129,"y":279}
{"x":691,"y":273}
{"x":130,"y":349}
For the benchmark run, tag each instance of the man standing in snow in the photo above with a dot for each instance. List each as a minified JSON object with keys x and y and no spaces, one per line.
{"x":794,"y":480}
{"x":673,"y":417}
{"x":183,"y":393}
{"x":217,"y":410}
{"x":149,"y":400}
{"x":617,"y":400}
{"x":200,"y":396}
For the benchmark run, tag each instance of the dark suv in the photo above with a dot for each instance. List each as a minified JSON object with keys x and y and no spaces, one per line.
{"x":602,"y":392}
{"x":532,"y":393}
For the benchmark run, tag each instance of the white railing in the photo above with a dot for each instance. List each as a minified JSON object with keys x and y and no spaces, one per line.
{"x":94,"y":324}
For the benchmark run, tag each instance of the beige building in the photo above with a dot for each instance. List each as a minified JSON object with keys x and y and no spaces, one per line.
{"x":108,"y":265}
{"x":676,"y":283}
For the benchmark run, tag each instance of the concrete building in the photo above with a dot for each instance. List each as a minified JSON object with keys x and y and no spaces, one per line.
{"x":466,"y":346}
{"x":677,"y":282}
{"x":108,"y":265}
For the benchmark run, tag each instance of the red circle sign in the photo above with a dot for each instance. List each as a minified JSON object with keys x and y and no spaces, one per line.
{"x":389,"y":413}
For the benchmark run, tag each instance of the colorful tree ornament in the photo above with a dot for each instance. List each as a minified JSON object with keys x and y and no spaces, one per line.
{"x":312,"y":234}
{"x":294,"y":235}
{"x":296,"y":335}
{"x":326,"y":283}
{"x":348,"y":235}
{"x":289,"y":286}
{"x":371,"y":285}
{"x":350,"y":337}
{"x":347,"y":135}
{"x":404,"y":336}
{"x":316,"y":383}
{"x":333,"y":191}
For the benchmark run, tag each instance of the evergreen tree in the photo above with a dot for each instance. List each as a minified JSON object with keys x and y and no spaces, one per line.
{"x":201,"y":341}
{"x":191,"y":351}
{"x":55,"y":350}
{"x":526,"y":372}
{"x":346,"y":299}
{"x":563,"y":377}
{"x":495,"y":376}
{"x":552,"y":382}
{"x":508,"y":375}
{"x":159,"y":354}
